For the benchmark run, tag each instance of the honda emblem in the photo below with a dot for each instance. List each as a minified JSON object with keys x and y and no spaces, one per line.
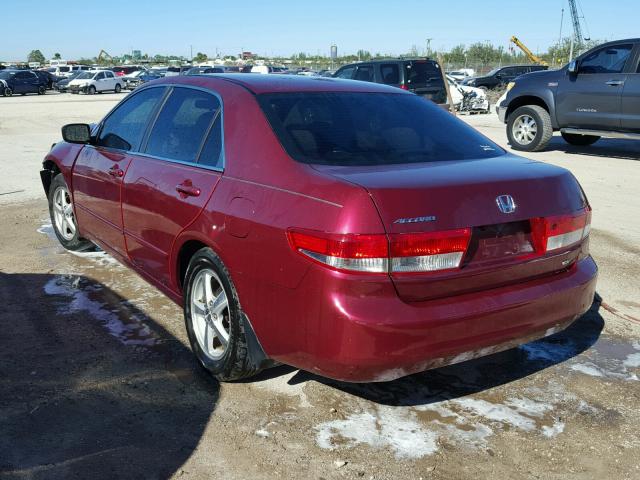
{"x":506,"y":203}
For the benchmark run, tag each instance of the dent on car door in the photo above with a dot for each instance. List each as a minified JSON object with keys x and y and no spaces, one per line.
{"x":630,"y":117}
{"x":99,"y":170}
{"x":168,"y":185}
{"x":592,"y":97}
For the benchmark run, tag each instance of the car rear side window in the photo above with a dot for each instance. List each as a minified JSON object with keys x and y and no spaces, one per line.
{"x":390,"y":73}
{"x":606,"y":60}
{"x":211,"y":154}
{"x":370,"y":129}
{"x":125,"y":127}
{"x":182,"y":124}
{"x":423,"y":72}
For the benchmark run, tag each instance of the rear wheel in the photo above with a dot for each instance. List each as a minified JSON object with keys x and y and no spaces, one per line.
{"x":42,"y":90}
{"x":529,"y":128}
{"x":118,"y":88}
{"x":577,"y":139}
{"x":215,"y":322}
{"x":63,"y":217}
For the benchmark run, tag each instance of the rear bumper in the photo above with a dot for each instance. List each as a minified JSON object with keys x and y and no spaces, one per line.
{"x":362,"y":338}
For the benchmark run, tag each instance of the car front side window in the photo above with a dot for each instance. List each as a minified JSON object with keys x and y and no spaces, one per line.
{"x":125,"y":126}
{"x":606,"y":60}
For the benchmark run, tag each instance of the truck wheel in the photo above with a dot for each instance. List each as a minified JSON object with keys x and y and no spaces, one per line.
{"x":577,"y":139}
{"x":216,"y":324}
{"x":529,"y":128}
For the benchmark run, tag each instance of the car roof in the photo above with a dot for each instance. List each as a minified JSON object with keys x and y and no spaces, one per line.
{"x":274,"y":83}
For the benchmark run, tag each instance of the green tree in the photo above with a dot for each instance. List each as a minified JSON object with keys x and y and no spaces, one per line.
{"x":36,"y":56}
{"x":57,"y":56}
{"x":200,"y":57}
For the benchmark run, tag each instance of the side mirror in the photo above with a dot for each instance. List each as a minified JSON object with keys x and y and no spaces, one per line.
{"x":572,"y":67}
{"x":76,"y":133}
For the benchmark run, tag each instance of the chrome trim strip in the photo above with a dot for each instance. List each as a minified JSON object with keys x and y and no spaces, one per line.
{"x":285,"y":191}
{"x":602,"y":133}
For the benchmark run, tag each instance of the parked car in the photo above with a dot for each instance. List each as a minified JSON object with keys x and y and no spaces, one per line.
{"x":597,"y":95}
{"x":459,"y":75}
{"x":62,"y":85}
{"x":95,"y":82}
{"x":501,"y":76}
{"x":422,"y":77}
{"x":204,"y":69}
{"x":126,"y":70}
{"x":134,"y":82}
{"x":22,"y":82}
{"x":349,"y":229}
{"x":48,"y":78}
{"x":264,"y":69}
{"x":175,"y":71}
{"x":60,"y":70}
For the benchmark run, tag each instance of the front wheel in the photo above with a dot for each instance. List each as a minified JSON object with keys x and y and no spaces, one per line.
{"x":216,"y":324}
{"x":118,"y":88}
{"x":63,"y":216}
{"x":529,"y":128}
{"x":7,"y":92}
{"x":577,"y":139}
{"x":91,"y":90}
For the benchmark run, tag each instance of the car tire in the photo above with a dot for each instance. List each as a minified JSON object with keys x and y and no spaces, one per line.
{"x":7,"y":92}
{"x":577,"y":139}
{"x":91,"y":90}
{"x":118,"y":88}
{"x":42,"y":90}
{"x":529,"y":128}
{"x":63,"y":218}
{"x":206,"y":281}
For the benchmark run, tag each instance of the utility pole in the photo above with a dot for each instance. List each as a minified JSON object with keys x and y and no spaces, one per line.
{"x":191,"y":58}
{"x":428,"y":52}
{"x":553,"y":61}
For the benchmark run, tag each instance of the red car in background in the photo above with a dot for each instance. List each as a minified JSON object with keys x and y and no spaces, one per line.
{"x":347,"y":228}
{"x":125,"y":70}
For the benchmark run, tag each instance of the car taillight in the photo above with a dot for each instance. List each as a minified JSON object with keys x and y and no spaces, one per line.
{"x":404,"y":87}
{"x":553,"y":233}
{"x":428,"y":252}
{"x":377,"y":253}
{"x":349,"y":251}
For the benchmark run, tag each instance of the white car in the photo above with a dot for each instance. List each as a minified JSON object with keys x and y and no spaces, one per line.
{"x":96,"y":81}
{"x":459,"y":75}
{"x":467,"y":99}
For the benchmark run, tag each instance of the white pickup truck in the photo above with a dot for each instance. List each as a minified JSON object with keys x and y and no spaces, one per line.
{"x":96,"y":81}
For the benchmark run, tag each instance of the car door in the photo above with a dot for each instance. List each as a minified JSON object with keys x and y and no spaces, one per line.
{"x":630,"y":117}
{"x":592,"y":97}
{"x":169,"y":183}
{"x":20,"y":84}
{"x":109,"y":81}
{"x":99,"y":82}
{"x":364,"y":73}
{"x":99,"y":169}
{"x":389,"y":74}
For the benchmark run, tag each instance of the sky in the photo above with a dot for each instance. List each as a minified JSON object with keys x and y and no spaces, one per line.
{"x":285,"y":27}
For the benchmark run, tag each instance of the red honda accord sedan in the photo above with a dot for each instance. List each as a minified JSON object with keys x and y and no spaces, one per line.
{"x":346,"y":228}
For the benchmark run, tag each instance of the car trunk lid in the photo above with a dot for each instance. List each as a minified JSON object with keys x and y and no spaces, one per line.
{"x":445,"y":196}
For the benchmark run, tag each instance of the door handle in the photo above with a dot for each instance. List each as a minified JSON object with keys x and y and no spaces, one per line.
{"x":115,"y":171}
{"x":615,"y":83}
{"x":188,"y":190}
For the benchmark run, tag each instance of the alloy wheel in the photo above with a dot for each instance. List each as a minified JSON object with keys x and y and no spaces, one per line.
{"x":524,"y":129}
{"x":210,"y":313}
{"x":63,"y":214}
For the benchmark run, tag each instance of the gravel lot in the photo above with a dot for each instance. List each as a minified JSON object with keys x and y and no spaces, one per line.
{"x":97,"y":379}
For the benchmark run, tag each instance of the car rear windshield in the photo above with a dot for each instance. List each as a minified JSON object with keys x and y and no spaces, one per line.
{"x":349,"y":128}
{"x":423,"y":72}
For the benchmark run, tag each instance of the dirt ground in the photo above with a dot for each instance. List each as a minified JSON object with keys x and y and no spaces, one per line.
{"x":97,"y":379}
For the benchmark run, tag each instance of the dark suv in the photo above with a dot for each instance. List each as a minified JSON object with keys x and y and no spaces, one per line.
{"x":21,"y":81}
{"x":501,"y":76}
{"x":420,"y":76}
{"x":596,"y":95}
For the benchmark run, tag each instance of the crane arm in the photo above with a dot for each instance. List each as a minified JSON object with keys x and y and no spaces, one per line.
{"x":527,"y":52}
